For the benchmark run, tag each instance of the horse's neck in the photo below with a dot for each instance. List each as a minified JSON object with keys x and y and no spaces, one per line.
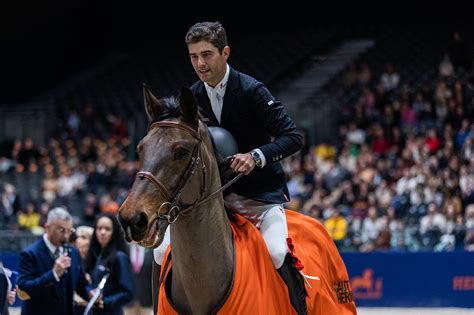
{"x":202,"y":253}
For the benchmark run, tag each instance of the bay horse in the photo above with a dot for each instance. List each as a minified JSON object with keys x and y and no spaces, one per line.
{"x":219,"y":264}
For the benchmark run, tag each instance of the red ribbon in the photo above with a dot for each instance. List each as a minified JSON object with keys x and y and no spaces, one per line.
{"x":296,"y":260}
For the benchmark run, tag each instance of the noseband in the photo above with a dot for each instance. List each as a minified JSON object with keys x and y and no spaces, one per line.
{"x":172,"y":199}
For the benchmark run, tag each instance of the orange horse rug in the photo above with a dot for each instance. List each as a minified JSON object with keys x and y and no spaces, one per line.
{"x":258,"y":288}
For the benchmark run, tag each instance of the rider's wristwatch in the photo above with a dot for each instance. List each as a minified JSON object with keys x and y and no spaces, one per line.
{"x":257,"y":158}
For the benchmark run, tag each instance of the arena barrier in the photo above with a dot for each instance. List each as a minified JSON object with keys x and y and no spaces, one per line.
{"x":425,"y":279}
{"x":396,"y":279}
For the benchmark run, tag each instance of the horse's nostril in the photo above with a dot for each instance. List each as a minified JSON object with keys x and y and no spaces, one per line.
{"x":125,"y":228}
{"x":134,"y":227}
{"x":140,"y":222}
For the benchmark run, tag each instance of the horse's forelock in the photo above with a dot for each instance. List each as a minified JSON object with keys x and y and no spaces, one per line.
{"x":171,"y":109}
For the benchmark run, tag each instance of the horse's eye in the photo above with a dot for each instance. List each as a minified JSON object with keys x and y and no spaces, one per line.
{"x":181,"y":154}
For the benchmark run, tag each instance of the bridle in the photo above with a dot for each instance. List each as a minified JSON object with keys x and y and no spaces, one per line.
{"x":172,"y":199}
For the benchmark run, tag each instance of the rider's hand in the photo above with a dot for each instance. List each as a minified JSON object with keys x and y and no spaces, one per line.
{"x":243,"y":163}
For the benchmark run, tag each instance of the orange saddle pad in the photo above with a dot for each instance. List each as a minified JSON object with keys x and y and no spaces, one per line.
{"x":257,"y":286}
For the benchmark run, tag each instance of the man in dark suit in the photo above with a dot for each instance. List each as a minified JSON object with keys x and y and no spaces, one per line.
{"x":264,"y":133}
{"x":50,"y":270}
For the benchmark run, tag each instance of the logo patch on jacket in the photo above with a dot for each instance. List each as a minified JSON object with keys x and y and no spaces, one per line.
{"x":22,"y":294}
{"x":343,"y":292}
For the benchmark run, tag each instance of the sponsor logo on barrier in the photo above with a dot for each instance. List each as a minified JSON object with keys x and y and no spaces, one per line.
{"x":366,"y":287}
{"x":343,"y":292}
{"x":463,"y":283}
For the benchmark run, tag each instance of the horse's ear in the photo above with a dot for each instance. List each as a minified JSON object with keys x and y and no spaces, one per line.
{"x":153,"y":106}
{"x":188,"y":105}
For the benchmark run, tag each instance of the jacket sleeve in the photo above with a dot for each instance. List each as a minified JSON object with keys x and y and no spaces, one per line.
{"x":287,"y":139}
{"x":125,"y":283}
{"x":28,"y":280}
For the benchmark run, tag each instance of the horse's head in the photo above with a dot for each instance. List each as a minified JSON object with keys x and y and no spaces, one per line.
{"x":176,"y":156}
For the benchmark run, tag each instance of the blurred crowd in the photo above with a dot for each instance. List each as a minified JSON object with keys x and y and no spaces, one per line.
{"x":401,"y":174}
{"x":399,"y":177}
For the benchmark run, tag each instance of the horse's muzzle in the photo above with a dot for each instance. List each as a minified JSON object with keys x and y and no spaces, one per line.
{"x":135,"y":227}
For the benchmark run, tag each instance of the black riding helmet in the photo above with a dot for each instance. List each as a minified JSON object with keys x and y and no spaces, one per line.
{"x":224,"y":142}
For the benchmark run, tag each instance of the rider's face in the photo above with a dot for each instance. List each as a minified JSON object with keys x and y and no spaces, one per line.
{"x":208,"y":62}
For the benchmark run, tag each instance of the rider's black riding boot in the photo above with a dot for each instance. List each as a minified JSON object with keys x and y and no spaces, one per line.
{"x":295,"y":282}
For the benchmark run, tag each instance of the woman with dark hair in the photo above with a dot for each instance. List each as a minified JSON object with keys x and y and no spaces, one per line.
{"x":108,"y":254}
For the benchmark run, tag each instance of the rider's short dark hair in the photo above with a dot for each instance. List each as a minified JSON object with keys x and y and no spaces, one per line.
{"x":212,"y":32}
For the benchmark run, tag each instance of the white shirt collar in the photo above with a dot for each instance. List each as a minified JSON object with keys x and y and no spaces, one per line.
{"x":221,"y":86}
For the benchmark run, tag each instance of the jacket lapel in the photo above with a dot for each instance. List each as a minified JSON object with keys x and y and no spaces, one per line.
{"x":205,"y":104}
{"x":230,"y":94}
{"x":45,"y":255}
